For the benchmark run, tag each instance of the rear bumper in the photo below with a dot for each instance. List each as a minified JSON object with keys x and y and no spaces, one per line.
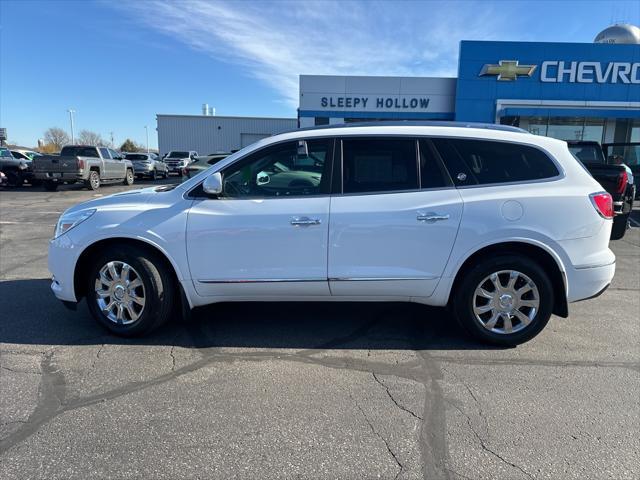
{"x":589,"y":282}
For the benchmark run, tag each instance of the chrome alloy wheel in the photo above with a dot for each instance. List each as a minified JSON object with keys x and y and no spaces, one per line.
{"x":120,"y":292}
{"x":506,"y":301}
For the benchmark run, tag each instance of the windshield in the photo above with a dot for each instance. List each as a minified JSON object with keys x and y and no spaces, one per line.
{"x":178,"y":154}
{"x":136,"y":156}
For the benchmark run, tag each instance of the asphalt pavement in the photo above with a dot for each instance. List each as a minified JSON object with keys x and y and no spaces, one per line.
{"x":306,"y":390}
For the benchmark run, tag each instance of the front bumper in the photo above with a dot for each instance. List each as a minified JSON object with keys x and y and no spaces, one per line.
{"x":62,"y":259}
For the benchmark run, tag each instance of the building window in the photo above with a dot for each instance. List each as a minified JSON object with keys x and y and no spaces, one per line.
{"x":563,"y":128}
{"x":321,"y":121}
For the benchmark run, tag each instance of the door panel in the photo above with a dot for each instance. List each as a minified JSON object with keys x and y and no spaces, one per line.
{"x":250,"y":247}
{"x":391,"y":244}
{"x":267,"y":233}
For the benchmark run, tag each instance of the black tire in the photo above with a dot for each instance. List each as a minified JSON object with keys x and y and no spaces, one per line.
{"x":159,"y":289}
{"x":93,"y":182}
{"x":14,"y":179}
{"x":154,"y":174}
{"x":464,"y":294}
{"x":50,"y":186}
{"x":128,"y":177}
{"x":620,"y":224}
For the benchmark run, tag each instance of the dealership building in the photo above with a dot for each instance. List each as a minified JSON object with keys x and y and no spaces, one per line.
{"x":572,"y":91}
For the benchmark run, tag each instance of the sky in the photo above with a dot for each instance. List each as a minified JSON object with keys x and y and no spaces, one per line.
{"x":119,"y":63}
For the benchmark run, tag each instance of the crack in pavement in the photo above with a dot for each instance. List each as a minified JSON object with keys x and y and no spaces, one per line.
{"x":484,"y":446}
{"x":483,"y":443}
{"x":95,"y":360}
{"x":375,"y":432}
{"x":397,"y":404}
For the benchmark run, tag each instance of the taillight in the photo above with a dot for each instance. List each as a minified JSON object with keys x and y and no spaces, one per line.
{"x":623,"y":179}
{"x":603,"y":203}
{"x":80,"y":163}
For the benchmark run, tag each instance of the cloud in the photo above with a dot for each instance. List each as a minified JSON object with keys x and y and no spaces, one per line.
{"x":277,"y":41}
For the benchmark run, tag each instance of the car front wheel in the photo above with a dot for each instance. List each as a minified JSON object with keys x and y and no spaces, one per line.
{"x":506,"y":300}
{"x":129,"y":290}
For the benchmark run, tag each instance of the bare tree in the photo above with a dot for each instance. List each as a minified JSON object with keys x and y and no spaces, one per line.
{"x":88,"y":137}
{"x":57,"y":137}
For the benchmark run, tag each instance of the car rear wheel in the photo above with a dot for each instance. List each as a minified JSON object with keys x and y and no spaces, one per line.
{"x":129,"y":290}
{"x":14,"y":179}
{"x":50,"y":186}
{"x":93,"y":182}
{"x":506,"y":300}
{"x":620,"y":225}
{"x":128,"y":178}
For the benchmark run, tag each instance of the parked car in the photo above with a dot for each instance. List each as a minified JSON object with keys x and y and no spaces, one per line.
{"x":17,"y":171}
{"x":90,"y":165}
{"x":177,"y":160}
{"x":502,"y":226}
{"x":202,"y":163}
{"x":23,"y":154}
{"x":618,"y":180}
{"x":145,"y":165}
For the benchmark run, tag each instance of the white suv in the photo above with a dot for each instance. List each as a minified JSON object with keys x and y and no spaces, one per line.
{"x":502,"y":226}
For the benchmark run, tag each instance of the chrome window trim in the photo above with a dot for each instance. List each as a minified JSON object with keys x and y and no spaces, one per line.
{"x":377,"y":279}
{"x":263,"y":280}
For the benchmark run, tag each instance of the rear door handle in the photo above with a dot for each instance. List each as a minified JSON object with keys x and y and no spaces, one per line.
{"x":431,"y":217}
{"x":302,"y":221}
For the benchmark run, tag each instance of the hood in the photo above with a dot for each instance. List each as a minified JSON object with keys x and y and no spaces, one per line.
{"x":118,"y":200}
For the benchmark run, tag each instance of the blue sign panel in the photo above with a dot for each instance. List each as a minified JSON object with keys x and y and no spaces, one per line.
{"x":563,"y":79}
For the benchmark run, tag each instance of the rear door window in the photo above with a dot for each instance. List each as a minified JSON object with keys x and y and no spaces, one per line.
{"x":379,"y":165}
{"x":472,"y":161}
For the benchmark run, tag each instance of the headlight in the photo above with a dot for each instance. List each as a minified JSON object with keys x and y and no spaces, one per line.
{"x":70,"y":220}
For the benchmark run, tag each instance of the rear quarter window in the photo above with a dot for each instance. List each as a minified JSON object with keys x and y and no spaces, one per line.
{"x":488,"y":162}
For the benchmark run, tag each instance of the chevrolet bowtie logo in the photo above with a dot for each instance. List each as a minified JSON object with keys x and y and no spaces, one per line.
{"x":508,"y":70}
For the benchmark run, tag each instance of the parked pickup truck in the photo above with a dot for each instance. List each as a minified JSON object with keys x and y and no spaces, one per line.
{"x":627,"y":153}
{"x":90,"y":165}
{"x":616,"y":179}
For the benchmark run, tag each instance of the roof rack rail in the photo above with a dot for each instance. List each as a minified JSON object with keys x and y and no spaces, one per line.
{"x":414,"y":123}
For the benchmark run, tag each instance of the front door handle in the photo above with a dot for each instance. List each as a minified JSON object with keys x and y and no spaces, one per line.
{"x":431,"y":217}
{"x":302,"y":221}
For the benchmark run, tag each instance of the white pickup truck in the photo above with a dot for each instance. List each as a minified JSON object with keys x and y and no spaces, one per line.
{"x":90,"y":165}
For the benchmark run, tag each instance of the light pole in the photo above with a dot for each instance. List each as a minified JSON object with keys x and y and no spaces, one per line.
{"x":71,"y":112}
{"x":146,"y":129}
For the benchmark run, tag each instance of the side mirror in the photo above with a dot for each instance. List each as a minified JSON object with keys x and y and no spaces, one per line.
{"x":212,"y":185}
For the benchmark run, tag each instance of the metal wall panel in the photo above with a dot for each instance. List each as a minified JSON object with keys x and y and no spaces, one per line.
{"x":213,"y":134}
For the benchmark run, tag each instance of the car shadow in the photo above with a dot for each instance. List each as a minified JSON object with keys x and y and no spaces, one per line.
{"x":33,"y":316}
